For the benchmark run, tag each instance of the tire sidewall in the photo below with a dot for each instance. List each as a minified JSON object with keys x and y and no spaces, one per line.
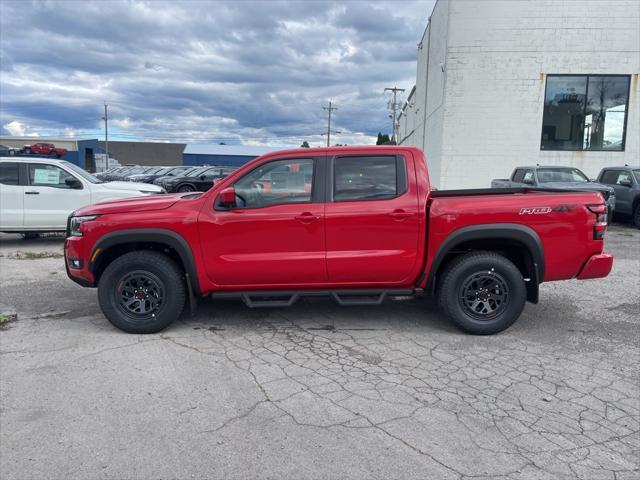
{"x":172,"y":284}
{"x":515,"y":302}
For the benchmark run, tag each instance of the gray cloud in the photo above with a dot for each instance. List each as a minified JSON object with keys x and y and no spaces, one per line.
{"x":256,"y":72}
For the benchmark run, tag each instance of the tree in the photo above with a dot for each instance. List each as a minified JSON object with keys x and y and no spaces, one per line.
{"x":383,"y":139}
{"x":305,"y":144}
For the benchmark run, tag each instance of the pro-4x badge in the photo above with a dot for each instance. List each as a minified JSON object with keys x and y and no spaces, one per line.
{"x":535,"y":210}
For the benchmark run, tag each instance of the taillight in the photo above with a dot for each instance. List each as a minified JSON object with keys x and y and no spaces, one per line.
{"x":600,"y":227}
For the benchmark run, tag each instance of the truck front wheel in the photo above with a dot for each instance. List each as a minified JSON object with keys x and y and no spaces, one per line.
{"x":142,"y":292}
{"x":482,"y":292}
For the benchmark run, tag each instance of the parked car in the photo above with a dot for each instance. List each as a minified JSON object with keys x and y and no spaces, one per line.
{"x":120,"y":175}
{"x":48,"y":149}
{"x":560,"y":178}
{"x":6,"y":150}
{"x":367,"y":227}
{"x":626,"y":183}
{"x":161,"y":172}
{"x":37,"y":195}
{"x":198,"y":180}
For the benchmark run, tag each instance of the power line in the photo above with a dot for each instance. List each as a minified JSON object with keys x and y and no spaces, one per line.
{"x":393,"y":106}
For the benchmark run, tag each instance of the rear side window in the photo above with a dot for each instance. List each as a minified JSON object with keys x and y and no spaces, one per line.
{"x":368,"y":178}
{"x":518,"y":175}
{"x":610,"y":176}
{"x":9,"y":173}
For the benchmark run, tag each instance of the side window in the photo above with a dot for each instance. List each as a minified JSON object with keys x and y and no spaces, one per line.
{"x":518,"y":175}
{"x":528,"y":176}
{"x":276,"y":183}
{"x":9,"y":173}
{"x":610,"y":177}
{"x":368,"y":178}
{"x":622,"y":177}
{"x":41,"y":175}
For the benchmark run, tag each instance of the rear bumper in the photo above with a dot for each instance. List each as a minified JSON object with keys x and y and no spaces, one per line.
{"x":597,"y":266}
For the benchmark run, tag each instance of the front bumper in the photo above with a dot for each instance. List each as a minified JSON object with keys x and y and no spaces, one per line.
{"x":598,"y":266}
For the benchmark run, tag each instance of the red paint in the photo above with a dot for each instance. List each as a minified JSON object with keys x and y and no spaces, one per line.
{"x":597,"y":266}
{"x":382,"y":243}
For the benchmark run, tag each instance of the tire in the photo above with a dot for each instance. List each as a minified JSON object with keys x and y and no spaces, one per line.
{"x":185,"y":189}
{"x":468,"y":281}
{"x":636,"y":216}
{"x":124,"y":279}
{"x":27,"y":151}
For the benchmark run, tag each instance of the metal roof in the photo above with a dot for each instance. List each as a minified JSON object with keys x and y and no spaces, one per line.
{"x":240,"y":150}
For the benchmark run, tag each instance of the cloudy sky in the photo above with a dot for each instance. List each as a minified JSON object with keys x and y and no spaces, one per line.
{"x":252,"y":72}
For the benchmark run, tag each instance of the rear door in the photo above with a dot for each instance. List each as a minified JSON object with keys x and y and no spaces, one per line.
{"x":372,"y":220}
{"x":48,"y":200}
{"x":11,"y":196}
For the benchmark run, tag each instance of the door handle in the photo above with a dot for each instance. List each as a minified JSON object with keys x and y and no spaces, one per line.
{"x":31,"y":192}
{"x":400,"y":214}
{"x":306,"y":217}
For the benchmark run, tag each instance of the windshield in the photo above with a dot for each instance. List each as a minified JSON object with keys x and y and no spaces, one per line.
{"x":83,"y":173}
{"x":195,"y":172}
{"x":636,"y":173}
{"x":548,"y":175}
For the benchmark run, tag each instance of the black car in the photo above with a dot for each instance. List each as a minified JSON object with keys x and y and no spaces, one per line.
{"x":121,"y":176}
{"x":149,"y":177}
{"x":197,"y":180}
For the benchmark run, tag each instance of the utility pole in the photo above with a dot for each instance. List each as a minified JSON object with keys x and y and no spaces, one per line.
{"x":329,"y":109}
{"x":106,"y":137}
{"x":393,"y":106}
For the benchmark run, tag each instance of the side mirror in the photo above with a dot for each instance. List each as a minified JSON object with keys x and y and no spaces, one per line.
{"x":527,"y":181}
{"x":73,"y":183}
{"x":227,"y":197}
{"x":593,"y":180}
{"x":625,"y":182}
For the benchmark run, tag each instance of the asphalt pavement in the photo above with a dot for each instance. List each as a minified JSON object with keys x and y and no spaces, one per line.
{"x":316,"y":390}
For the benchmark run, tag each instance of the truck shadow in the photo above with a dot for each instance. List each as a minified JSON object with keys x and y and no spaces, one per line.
{"x":319,"y":314}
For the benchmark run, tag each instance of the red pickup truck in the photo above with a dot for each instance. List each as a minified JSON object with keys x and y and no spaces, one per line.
{"x":357,"y":224}
{"x":45,"y":149}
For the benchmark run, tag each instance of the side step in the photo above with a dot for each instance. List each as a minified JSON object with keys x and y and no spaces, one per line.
{"x":258,"y":299}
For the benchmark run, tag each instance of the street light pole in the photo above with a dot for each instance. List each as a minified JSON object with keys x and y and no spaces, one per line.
{"x":106,"y":137}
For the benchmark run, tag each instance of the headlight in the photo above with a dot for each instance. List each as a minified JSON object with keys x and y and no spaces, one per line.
{"x":76,"y":222}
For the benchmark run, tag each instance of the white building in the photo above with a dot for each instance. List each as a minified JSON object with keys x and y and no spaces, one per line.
{"x":502,"y":83}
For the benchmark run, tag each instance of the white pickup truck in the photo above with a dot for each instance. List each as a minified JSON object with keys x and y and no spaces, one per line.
{"x":38,"y":194}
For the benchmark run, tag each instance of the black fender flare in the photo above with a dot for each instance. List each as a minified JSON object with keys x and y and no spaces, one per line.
{"x":501,"y":231}
{"x":155,"y":235}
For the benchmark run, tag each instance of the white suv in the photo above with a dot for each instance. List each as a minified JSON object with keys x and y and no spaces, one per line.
{"x":38,"y":194}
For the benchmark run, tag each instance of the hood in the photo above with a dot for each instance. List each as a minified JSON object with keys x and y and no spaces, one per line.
{"x":131,"y":187}
{"x":584,"y":186}
{"x":127,"y":205}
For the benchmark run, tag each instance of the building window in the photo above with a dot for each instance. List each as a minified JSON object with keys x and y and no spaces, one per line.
{"x":585,"y":112}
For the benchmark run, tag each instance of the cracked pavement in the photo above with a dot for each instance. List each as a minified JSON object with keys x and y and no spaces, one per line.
{"x":317,"y":390}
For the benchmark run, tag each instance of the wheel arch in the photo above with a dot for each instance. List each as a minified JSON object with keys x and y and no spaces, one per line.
{"x":519,"y":243}
{"x":114,"y":244}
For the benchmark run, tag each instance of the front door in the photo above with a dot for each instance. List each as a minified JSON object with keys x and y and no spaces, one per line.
{"x":373,"y":222}
{"x":48,"y":200}
{"x":274,"y":235}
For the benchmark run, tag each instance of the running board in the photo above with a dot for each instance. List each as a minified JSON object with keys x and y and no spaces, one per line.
{"x":280,"y":298}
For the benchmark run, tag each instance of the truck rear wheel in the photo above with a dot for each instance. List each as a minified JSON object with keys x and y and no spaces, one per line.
{"x":482,"y":292}
{"x":142,"y":292}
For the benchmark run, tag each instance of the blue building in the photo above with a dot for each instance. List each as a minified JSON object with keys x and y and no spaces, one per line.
{"x":223,"y":155}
